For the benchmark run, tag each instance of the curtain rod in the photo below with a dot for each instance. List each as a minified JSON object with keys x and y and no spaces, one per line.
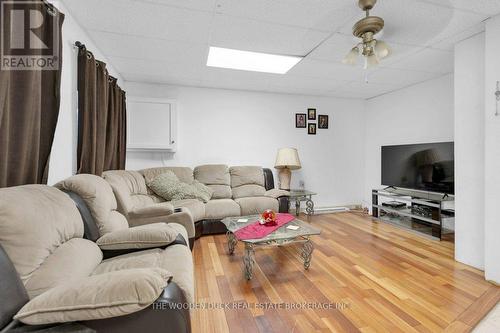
{"x":80,"y":45}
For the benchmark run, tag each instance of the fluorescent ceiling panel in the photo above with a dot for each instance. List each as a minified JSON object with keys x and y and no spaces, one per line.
{"x":250,"y":61}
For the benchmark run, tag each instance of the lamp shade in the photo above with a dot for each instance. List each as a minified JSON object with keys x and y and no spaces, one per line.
{"x":288,"y":158}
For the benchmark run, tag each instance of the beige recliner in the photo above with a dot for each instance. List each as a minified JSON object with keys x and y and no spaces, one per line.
{"x":140,"y":206}
{"x":100,"y":199}
{"x":61,"y":277}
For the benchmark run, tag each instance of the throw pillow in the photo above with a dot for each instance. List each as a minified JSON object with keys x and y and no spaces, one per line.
{"x":170,"y":188}
{"x":205,"y":192}
{"x":100,"y":296}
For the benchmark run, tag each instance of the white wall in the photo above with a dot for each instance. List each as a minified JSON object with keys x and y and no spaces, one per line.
{"x":247,"y":128}
{"x":469,"y":151}
{"x":418,"y":114}
{"x":63,"y":156}
{"x":492,"y":152}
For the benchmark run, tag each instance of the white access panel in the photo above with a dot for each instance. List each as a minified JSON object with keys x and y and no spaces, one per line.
{"x":151,"y":124}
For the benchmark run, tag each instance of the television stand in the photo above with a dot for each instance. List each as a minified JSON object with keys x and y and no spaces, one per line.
{"x":428,"y":213}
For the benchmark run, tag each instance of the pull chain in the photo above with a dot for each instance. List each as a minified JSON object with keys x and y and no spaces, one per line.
{"x":497,"y":95}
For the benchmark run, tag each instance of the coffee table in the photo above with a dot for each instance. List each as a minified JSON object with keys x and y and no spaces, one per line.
{"x":279,"y":237}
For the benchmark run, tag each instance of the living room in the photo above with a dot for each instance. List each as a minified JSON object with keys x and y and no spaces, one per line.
{"x":249,"y":166}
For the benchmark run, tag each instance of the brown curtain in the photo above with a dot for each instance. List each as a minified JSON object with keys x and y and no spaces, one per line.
{"x":101,"y":117}
{"x":29,"y":107}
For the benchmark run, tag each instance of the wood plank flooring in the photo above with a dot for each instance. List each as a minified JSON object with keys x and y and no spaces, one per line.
{"x":383,"y":279}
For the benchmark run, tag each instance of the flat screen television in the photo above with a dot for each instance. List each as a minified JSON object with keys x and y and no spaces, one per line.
{"x":425,"y":167}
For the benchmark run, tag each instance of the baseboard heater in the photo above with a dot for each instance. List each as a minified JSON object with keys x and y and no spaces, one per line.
{"x":325,"y":210}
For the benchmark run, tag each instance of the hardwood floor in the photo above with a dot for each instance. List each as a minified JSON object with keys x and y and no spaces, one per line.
{"x":389,"y":279}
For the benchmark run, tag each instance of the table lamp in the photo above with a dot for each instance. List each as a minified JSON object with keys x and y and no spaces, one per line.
{"x":287,"y":160}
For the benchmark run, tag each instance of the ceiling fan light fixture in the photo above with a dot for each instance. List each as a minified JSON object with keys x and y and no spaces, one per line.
{"x":352,"y":57}
{"x":371,"y":61}
{"x":370,"y":48}
{"x":382,"y":50}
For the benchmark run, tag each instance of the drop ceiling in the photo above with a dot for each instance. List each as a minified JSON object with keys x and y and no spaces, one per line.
{"x":167,"y":41}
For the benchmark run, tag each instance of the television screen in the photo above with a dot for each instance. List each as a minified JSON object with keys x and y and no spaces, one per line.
{"x":426,"y":167}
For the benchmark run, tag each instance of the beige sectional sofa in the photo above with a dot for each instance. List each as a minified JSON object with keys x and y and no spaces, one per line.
{"x":238,"y":190}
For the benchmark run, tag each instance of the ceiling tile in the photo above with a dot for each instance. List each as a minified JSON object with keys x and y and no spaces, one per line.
{"x":228,"y":77}
{"x":298,"y":90}
{"x":365,"y":89}
{"x":204,"y":5}
{"x":305,"y":83}
{"x":126,"y":46}
{"x":160,"y":79}
{"x":142,"y":19}
{"x":311,"y":14}
{"x":251,"y":35}
{"x":329,"y":70}
{"x":398,"y":77}
{"x":488,"y":7}
{"x":187,"y":69}
{"x":449,"y":43}
{"x":427,"y":60}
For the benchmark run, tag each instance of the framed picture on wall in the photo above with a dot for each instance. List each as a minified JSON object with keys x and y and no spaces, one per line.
{"x":311,"y":129}
{"x":323,"y":121}
{"x":300,"y":120}
{"x":311,"y":114}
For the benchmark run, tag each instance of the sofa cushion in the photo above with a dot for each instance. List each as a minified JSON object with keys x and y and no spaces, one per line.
{"x":195,"y":207}
{"x":177,"y":259}
{"x":97,"y":297}
{"x":34,"y":221}
{"x":221,"y":191}
{"x":73,"y":260}
{"x":257,"y":205}
{"x":248,"y":191}
{"x":169,"y":187}
{"x":184,"y":174}
{"x":217,"y":178}
{"x":247,"y":181}
{"x":141,"y":237}
{"x":246,"y":175}
{"x":221,"y":208}
{"x":99,"y":198}
{"x":213,"y":174}
{"x":130,"y":190}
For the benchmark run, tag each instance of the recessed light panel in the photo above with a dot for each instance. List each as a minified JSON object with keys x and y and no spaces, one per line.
{"x":250,"y":61}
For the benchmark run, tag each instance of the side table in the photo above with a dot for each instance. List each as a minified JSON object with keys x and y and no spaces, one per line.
{"x":302,"y":195}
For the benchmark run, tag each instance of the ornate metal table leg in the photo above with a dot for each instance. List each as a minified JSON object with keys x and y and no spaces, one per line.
{"x":297,"y":206}
{"x":306,"y":253}
{"x":249,"y":260}
{"x":309,"y":206}
{"x":231,"y":241}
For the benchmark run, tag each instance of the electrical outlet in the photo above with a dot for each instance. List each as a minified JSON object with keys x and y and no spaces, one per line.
{"x":302,"y":184}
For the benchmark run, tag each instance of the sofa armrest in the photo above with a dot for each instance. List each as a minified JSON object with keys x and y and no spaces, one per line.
{"x":284,"y":204}
{"x":180,"y":216}
{"x":141,"y":237}
{"x":160,"y":209}
{"x":268,"y":179}
{"x":275,"y":193}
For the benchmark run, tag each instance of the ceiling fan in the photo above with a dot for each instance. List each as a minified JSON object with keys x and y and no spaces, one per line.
{"x":372,"y":49}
